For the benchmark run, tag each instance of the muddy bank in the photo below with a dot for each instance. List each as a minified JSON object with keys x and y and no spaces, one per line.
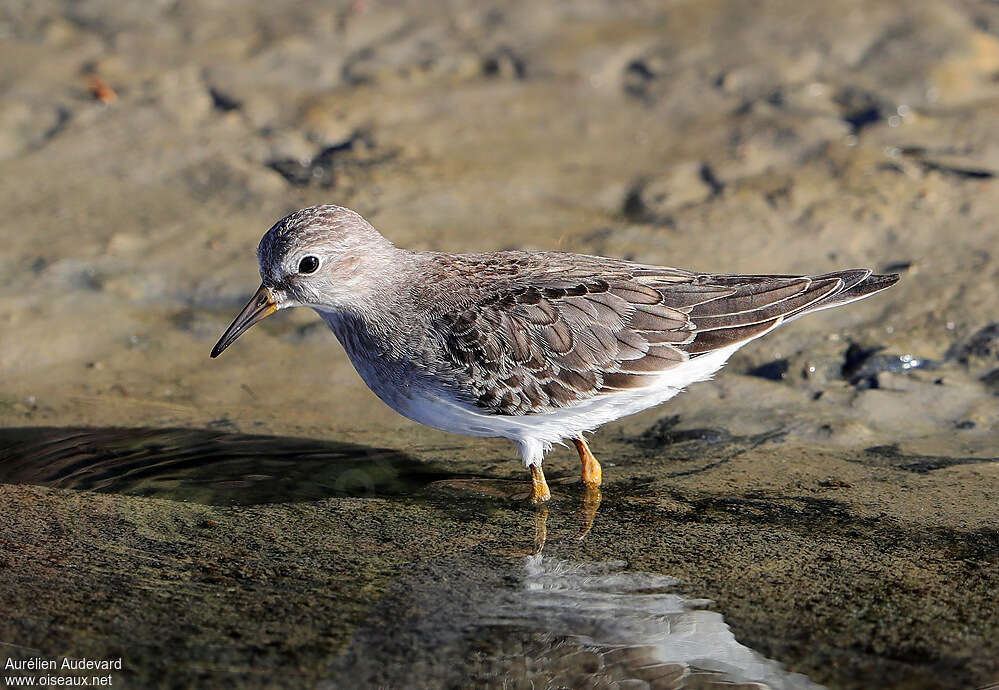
{"x":842,"y":571}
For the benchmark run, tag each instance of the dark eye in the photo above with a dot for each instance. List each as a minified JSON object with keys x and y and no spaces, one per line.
{"x":308,"y":264}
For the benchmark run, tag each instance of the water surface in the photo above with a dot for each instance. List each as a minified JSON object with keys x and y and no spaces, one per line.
{"x":205,"y":556}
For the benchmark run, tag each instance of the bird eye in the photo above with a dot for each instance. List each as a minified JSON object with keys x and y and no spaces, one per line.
{"x":308,"y":264}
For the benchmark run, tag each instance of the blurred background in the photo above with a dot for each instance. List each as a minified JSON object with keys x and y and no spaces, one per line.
{"x":145,"y":147}
{"x":833,"y":490}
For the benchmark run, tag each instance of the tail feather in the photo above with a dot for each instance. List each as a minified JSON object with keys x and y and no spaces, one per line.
{"x":752,"y":305}
{"x":858,"y":283}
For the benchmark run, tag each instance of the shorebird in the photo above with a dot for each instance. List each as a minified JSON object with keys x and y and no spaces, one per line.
{"x":536,"y":347}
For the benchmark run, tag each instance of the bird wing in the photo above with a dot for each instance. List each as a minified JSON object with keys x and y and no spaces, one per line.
{"x":550,"y":339}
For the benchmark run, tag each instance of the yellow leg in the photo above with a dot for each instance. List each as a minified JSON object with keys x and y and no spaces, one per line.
{"x":592,"y":478}
{"x":592,"y":474}
{"x":540,"y":492}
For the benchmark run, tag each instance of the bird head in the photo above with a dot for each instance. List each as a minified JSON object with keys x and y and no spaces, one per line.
{"x":314,"y":257}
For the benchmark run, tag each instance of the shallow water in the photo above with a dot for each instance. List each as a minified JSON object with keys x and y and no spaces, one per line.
{"x":592,"y":624}
{"x":204,"y":466}
{"x":431,"y":575}
{"x":547,"y":622}
{"x":544,"y":622}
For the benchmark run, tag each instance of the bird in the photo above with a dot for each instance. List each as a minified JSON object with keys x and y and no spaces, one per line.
{"x":538,"y":347}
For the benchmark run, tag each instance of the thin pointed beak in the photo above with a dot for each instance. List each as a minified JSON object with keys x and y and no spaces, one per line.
{"x":260,"y":306}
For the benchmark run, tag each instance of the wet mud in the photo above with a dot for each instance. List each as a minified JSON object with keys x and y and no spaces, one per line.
{"x":206,"y":467}
{"x":396,"y":571}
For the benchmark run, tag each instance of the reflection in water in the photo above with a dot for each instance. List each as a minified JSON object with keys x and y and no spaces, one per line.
{"x":554,"y":623}
{"x":597,"y":625}
{"x":604,"y":627}
{"x":205,"y":466}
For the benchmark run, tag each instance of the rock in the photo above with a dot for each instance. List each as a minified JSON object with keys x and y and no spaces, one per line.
{"x":863,"y":365}
{"x":504,"y":63}
{"x":325,"y":122}
{"x":774,"y":371}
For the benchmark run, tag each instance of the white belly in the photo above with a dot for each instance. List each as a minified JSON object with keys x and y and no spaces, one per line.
{"x":536,"y":433}
{"x":422,"y":401}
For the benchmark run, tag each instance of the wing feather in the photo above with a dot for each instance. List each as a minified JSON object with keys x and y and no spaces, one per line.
{"x":765,"y":311}
{"x":561,"y":329}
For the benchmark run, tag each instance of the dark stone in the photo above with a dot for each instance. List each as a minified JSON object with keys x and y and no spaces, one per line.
{"x":634,"y":207}
{"x":504,"y":62}
{"x":223,"y":101}
{"x":711,"y":180}
{"x":862,"y":365}
{"x":896,"y":266}
{"x":324,"y":169}
{"x":774,"y":371}
{"x":637,"y":77}
{"x":860,"y":108}
{"x":862,"y":118}
{"x":959,"y":171}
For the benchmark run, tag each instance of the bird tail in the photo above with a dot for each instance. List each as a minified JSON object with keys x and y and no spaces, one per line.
{"x":858,"y":283}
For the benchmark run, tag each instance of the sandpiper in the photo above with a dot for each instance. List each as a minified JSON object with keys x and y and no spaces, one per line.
{"x":536,"y":347}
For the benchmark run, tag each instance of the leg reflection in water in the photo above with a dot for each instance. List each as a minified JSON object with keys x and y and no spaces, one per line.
{"x":597,"y":624}
{"x":540,"y":528}
{"x":588,"y":507}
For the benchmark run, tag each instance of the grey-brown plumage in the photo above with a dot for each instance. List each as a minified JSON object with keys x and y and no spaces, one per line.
{"x":539,"y":331}
{"x":536,"y":347}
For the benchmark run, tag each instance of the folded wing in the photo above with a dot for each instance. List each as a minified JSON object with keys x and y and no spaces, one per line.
{"x":553,"y":339}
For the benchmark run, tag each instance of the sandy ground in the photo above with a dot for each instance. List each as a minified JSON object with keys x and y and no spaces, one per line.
{"x":833,"y":491}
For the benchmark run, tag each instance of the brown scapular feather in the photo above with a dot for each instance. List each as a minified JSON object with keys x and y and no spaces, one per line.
{"x":561,"y":329}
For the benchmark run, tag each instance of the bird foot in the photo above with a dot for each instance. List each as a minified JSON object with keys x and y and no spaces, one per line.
{"x":593,"y":474}
{"x":540,"y":493}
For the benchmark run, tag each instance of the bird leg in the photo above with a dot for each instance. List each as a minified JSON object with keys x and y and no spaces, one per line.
{"x":592,"y":474}
{"x":592,"y":478}
{"x":539,"y":492}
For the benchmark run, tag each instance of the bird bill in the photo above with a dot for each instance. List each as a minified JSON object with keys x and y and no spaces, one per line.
{"x":260,"y":306}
